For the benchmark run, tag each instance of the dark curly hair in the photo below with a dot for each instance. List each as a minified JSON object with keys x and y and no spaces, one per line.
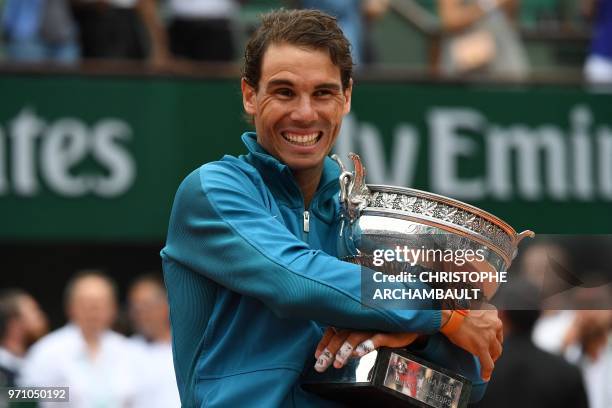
{"x":305,"y":28}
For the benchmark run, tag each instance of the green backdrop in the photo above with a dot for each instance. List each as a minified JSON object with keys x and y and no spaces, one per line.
{"x":99,"y":158}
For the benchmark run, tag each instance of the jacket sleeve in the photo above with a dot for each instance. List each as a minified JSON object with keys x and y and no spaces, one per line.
{"x":221,"y":227}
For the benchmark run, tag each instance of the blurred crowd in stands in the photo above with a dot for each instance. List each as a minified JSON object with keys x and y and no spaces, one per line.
{"x":557,"y":332}
{"x":466,"y":38}
{"x":111,"y":356}
{"x":101,"y":367}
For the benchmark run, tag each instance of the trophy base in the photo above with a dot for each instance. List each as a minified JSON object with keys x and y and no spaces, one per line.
{"x":393,"y":377}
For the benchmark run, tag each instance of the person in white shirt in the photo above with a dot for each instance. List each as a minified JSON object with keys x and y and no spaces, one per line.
{"x":588,"y":343}
{"x":149,"y":314}
{"x":85,"y":355}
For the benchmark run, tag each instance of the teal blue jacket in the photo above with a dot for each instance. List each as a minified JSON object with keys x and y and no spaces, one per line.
{"x":250,"y":283}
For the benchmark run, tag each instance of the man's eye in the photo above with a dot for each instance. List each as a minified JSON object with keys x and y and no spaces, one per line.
{"x":284,"y":92}
{"x":322,"y":93}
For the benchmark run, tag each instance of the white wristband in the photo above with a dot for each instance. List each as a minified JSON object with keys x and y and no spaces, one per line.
{"x":487,"y":5}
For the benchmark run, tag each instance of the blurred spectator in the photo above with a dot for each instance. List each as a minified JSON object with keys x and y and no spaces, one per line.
{"x":588,"y":343}
{"x":120,"y":29}
{"x":550,"y":329}
{"x":524,"y":375}
{"x":348,"y":14}
{"x":598,"y":67}
{"x":39,"y":31}
{"x":148,"y":309}
{"x":21,"y":324}
{"x":538,"y":264}
{"x":479,"y":39}
{"x":582,"y":336}
{"x":373,"y":10}
{"x":203,"y":30}
{"x":354,"y":17}
{"x":96,"y":363}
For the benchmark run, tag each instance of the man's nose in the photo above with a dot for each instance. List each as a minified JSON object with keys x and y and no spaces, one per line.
{"x":304,"y":111}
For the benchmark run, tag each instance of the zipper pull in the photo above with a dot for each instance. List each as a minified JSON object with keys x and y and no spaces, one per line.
{"x":306,"y":221}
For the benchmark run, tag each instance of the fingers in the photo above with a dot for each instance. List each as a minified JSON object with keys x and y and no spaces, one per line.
{"x":349,"y":345}
{"x":481,"y":334}
{"x":497,"y":347}
{"x":499,"y":327}
{"x":327,"y":336}
{"x":488,"y":355}
{"x":495,"y":350}
{"x":486,"y":366}
{"x":337,"y":346}
{"x":325,"y":359}
{"x":364,"y":348}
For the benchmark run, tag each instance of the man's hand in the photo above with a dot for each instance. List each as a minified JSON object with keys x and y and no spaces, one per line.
{"x":481,"y":334}
{"x":336,"y":346}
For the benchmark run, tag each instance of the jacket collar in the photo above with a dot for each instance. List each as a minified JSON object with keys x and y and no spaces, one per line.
{"x":280,"y":180}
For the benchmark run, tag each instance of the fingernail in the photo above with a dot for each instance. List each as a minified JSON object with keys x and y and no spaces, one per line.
{"x":323,"y":361}
{"x":364,"y":348}
{"x":343,"y":354}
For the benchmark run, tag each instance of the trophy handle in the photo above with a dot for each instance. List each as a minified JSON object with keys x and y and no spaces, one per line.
{"x":358,"y":184}
{"x":523,"y":235}
{"x":346,"y":181}
{"x":354,"y":193}
{"x":518,"y":238}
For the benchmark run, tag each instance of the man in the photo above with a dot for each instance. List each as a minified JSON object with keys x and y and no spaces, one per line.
{"x":249,"y":260}
{"x":85,"y":355}
{"x":121,"y":29}
{"x":148,"y":310}
{"x":203,"y":30}
{"x":39,"y":31}
{"x":588,"y":343}
{"x":21,"y":324}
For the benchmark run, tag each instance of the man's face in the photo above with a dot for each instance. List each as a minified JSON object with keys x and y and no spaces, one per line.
{"x":299,"y":105}
{"x":92,"y":305}
{"x":148,"y":309}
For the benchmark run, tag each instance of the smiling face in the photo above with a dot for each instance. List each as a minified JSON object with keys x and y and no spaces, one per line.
{"x":298,"y":105}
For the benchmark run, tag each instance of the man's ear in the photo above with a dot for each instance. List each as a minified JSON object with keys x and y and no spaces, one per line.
{"x":248,"y":97}
{"x":347,"y":97}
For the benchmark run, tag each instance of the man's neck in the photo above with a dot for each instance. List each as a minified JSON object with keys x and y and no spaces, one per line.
{"x":163,"y":335}
{"x":308,"y":181}
{"x":92,"y":342}
{"x":166,"y":335}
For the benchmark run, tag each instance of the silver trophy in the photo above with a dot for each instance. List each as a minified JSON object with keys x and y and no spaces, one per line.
{"x":379,"y":218}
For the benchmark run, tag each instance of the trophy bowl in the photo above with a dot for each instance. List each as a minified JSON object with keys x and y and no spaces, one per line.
{"x":383,"y":218}
{"x":379,"y":219}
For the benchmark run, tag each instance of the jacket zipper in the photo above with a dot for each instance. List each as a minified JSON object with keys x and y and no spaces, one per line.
{"x":306,"y":221}
{"x":306,"y":213}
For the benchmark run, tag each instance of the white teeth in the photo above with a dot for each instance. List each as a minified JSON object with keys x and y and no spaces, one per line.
{"x":302,"y":140}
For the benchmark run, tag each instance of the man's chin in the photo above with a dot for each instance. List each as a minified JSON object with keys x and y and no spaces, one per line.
{"x":304,"y":165}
